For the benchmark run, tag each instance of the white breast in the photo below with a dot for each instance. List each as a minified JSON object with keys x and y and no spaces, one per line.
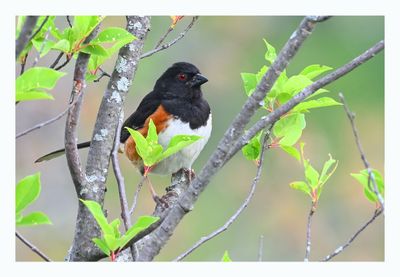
{"x":185,"y":157}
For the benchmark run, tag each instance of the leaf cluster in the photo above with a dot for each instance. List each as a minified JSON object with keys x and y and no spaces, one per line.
{"x":288,"y":129}
{"x":26,"y":193}
{"x":112,"y":240}
{"x":151,"y":151}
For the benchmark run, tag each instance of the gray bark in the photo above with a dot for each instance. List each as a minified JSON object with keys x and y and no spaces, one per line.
{"x":94,"y":182}
{"x":25,"y":34}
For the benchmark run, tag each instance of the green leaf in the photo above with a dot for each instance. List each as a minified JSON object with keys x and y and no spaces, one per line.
{"x":94,"y":49}
{"x":112,"y":242}
{"x":225,"y":257}
{"x":97,"y":212}
{"x":40,"y":43}
{"x":113,"y":35}
{"x":252,"y":150}
{"x":314,"y":70}
{"x":283,"y":97}
{"x":115,"y":225}
{"x":177,"y":143}
{"x":289,"y":128}
{"x":35,"y":218}
{"x":270,"y":55}
{"x":102,"y":245}
{"x":318,"y":103}
{"x":141,"y":224}
{"x":62,"y":45}
{"x":312,"y":175}
{"x":327,"y":166}
{"x":152,"y":136}
{"x":363,"y":178}
{"x":90,"y":77}
{"x":292,"y":151}
{"x":302,"y":186}
{"x":30,"y":85}
{"x":84,"y":25}
{"x":20,"y":24}
{"x":277,"y":88}
{"x":26,"y":192}
{"x":260,"y":74}
{"x":32,"y":95}
{"x":296,"y":84}
{"x":249,"y":82}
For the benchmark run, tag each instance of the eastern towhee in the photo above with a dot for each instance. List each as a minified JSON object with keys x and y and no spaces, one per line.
{"x":177,"y":107}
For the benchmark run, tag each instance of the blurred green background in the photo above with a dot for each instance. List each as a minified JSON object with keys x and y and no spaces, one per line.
{"x":223,"y":47}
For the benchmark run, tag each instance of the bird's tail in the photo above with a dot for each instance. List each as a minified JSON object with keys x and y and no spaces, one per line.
{"x":60,"y":152}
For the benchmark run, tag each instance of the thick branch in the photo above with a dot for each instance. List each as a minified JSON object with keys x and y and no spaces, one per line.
{"x":25,"y":34}
{"x":371,"y":176}
{"x":71,"y":127}
{"x":216,"y":161}
{"x":93,"y":185}
{"x":32,"y":247}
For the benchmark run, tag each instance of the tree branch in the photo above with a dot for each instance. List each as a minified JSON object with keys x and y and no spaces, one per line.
{"x":135,"y":197}
{"x":25,"y":35}
{"x":54,"y":64}
{"x":371,"y":176}
{"x":216,"y":161}
{"x":341,"y":248}
{"x":165,"y":46}
{"x":71,"y":127}
{"x":93,"y":185}
{"x":67,"y":60}
{"x":261,"y":249}
{"x":301,"y":96}
{"x":40,"y":28}
{"x":120,"y":178}
{"x":238,"y":212}
{"x":48,"y":122}
{"x":308,"y":239}
{"x":32,"y":247}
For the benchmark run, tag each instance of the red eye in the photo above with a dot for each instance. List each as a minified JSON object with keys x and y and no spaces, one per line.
{"x":182,"y":77}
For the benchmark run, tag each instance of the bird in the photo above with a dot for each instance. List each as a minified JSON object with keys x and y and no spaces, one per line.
{"x":177,"y":107}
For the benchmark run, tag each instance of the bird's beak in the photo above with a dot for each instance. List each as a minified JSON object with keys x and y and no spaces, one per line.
{"x":197,"y":80}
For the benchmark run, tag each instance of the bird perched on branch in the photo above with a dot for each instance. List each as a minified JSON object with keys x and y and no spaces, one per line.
{"x":177,"y":107}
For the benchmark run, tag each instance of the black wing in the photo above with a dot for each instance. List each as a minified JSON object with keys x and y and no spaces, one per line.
{"x":147,"y":106}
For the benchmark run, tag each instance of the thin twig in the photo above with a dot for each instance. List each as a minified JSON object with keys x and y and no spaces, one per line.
{"x":40,"y":28}
{"x":308,"y":243}
{"x":118,"y":175}
{"x":25,"y":34}
{"x":54,"y":64}
{"x":340,"y":249}
{"x":239,"y":211}
{"x":135,"y":197}
{"x":23,"y":63}
{"x":170,"y":29}
{"x":261,"y":249}
{"x":371,"y":176}
{"x":165,"y":46}
{"x":45,"y":123}
{"x":103,"y":73}
{"x":32,"y":247}
{"x":69,"y":21}
{"x":67,"y":59}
